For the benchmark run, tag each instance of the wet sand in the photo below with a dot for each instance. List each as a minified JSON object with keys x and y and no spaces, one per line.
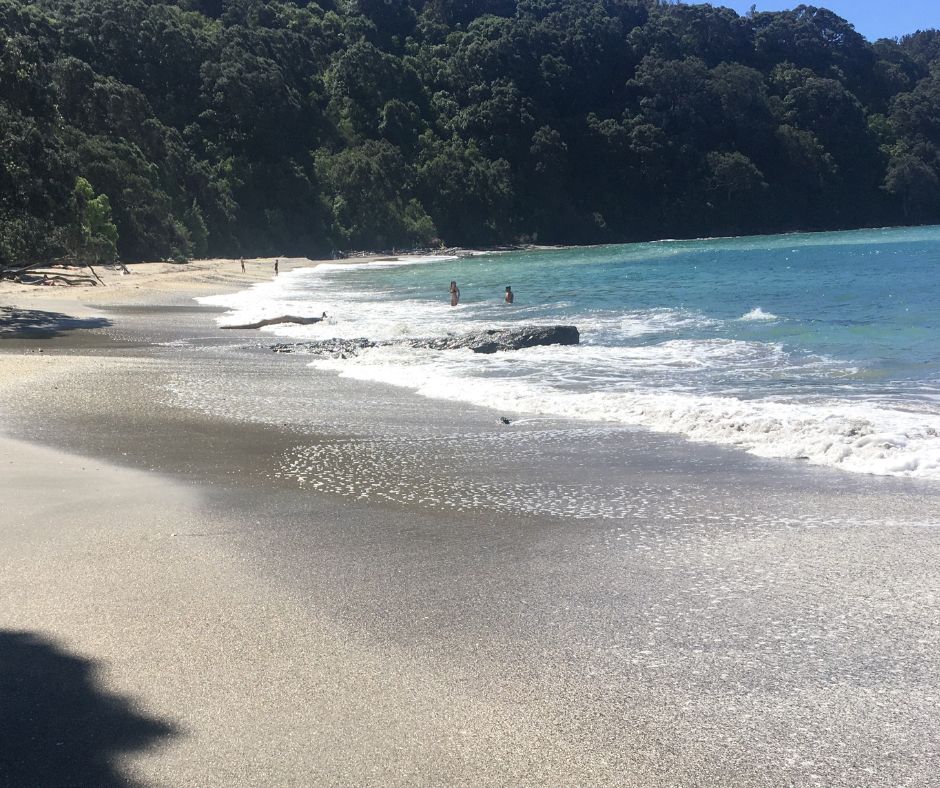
{"x":246,"y":572}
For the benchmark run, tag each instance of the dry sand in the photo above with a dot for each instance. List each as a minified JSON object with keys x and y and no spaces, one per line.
{"x":150,"y":282}
{"x":140,"y":645}
{"x":137,"y":644}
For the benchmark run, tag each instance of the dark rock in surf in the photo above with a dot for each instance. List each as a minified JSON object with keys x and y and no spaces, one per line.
{"x":489,"y":341}
{"x":327,"y":347}
{"x":494,"y":340}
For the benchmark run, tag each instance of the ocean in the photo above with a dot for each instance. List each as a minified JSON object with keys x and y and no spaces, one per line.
{"x":822,"y":348}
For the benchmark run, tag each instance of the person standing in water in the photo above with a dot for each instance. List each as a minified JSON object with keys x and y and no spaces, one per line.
{"x":510,"y":296}
{"x":454,"y":294}
{"x":275,"y":265}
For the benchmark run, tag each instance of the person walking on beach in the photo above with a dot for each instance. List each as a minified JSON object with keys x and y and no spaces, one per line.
{"x":510,"y":297}
{"x":243,"y":264}
{"x":275,"y":265}
{"x":454,"y":294}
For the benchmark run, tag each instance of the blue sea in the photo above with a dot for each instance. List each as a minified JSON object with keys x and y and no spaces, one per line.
{"x":821,"y":347}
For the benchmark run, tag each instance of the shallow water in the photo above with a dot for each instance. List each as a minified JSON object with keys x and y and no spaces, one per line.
{"x":822,"y":347}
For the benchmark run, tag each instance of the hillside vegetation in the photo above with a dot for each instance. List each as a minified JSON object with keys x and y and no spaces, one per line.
{"x":269,"y":126}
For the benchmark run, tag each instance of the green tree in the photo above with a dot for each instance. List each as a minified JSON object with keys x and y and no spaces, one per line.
{"x":373,"y":206}
{"x":93,"y":236}
{"x":913,"y":178}
{"x":261,"y":126}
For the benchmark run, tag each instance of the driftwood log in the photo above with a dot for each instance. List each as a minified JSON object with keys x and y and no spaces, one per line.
{"x":273,"y":321}
{"x":61,"y":277}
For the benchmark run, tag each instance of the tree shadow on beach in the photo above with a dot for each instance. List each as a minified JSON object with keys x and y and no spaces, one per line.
{"x":57,"y":727}
{"x":38,"y":323}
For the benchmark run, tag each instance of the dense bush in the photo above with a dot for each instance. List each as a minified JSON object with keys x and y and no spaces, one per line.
{"x":259,"y":126}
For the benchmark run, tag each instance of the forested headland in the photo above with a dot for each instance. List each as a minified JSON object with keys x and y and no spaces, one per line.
{"x":156,"y":130}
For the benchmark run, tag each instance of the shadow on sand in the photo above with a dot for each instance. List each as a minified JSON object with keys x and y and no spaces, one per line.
{"x":57,"y":728}
{"x":37,"y":323}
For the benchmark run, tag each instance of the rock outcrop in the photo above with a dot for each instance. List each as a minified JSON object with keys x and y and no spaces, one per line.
{"x":493,"y":340}
{"x":489,"y":341}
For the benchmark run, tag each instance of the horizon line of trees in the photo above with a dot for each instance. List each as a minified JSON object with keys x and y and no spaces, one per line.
{"x":249,"y":127}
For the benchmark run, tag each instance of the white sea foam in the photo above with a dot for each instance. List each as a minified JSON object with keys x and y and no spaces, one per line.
{"x":300,"y":292}
{"x":668,"y":369}
{"x":382,"y":262}
{"x":660,"y":321}
{"x":263,"y":300}
{"x":758,"y":314}
{"x":852,"y":437}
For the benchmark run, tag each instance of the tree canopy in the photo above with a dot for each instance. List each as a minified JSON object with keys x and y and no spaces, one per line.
{"x":245,"y":127}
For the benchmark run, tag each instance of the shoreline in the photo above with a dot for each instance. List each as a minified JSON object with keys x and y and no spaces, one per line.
{"x":447,"y":606}
{"x":217,"y":276}
{"x":213,"y":276}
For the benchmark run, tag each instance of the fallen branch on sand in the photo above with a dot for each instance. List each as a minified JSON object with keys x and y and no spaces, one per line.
{"x":273,"y":321}
{"x":35,"y":273}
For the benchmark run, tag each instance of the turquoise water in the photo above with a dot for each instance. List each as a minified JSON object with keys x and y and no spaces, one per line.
{"x":822,"y":347}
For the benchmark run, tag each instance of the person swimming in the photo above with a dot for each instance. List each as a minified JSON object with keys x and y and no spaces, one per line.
{"x":454,"y":294}
{"x":510,"y":296}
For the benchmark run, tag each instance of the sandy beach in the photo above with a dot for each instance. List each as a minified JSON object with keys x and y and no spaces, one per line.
{"x":218,"y":567}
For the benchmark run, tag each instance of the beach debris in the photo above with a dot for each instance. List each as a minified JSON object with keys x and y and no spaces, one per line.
{"x":62,"y":273}
{"x":273,"y":321}
{"x":488,"y":341}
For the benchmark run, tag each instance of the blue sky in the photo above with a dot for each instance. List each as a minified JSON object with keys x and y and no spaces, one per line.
{"x":872,"y":18}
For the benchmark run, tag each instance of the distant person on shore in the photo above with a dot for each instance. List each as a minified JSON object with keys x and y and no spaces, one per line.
{"x":276,"y":265}
{"x":242,"y":260}
{"x":454,"y":294}
{"x":510,"y":296}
